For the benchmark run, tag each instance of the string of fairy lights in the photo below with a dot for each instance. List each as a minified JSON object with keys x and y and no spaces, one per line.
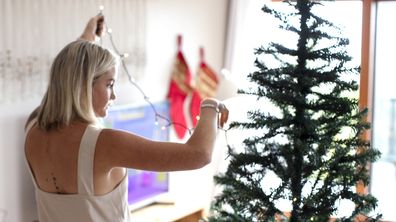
{"x":158,"y":116}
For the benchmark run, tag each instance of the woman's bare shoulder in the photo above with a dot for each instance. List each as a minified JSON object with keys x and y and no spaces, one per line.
{"x":110,"y":135}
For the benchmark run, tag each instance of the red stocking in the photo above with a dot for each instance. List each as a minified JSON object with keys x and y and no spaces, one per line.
{"x":206,"y":86}
{"x":180,"y":87}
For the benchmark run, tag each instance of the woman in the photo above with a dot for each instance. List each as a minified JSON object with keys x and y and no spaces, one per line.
{"x":79,"y":169}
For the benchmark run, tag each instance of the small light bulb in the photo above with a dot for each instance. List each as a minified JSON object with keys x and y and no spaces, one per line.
{"x":125,"y":55}
{"x":226,"y":73}
{"x":156,"y":123}
{"x":197,"y":117}
{"x":163,"y":128}
{"x":101,"y":7}
{"x":109,"y":30}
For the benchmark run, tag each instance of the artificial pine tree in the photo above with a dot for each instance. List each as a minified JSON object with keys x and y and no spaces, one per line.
{"x":314,"y":146}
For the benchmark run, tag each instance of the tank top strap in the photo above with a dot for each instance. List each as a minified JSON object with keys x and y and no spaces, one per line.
{"x":86,"y":156}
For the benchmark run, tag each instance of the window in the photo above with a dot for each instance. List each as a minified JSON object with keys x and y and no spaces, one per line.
{"x":383,"y":179}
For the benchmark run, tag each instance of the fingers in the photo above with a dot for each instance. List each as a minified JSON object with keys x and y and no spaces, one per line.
{"x":223,"y":114}
{"x":220,"y":108}
{"x":96,"y":25}
{"x":99,"y":25}
{"x":94,"y":28}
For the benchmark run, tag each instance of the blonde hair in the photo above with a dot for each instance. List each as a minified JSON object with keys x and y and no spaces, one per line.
{"x":69,"y":93}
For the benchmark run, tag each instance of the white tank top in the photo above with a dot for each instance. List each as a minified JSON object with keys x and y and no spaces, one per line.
{"x":84,"y":206}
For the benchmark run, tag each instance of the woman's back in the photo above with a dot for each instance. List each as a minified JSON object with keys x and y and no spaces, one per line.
{"x":53,"y":158}
{"x":62,"y":167}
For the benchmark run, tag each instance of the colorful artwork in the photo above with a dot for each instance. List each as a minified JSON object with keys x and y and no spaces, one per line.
{"x":143,"y":186}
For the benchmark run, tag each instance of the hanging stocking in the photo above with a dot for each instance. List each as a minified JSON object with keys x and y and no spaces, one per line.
{"x":205,"y":86}
{"x":180,"y":87}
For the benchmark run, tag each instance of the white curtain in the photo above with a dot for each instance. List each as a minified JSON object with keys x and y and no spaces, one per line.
{"x":236,"y":18}
{"x":34,"y":31}
{"x":237,"y":11}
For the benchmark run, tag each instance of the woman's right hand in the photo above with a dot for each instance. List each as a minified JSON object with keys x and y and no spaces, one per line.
{"x":219,"y":107}
{"x":223,"y":112}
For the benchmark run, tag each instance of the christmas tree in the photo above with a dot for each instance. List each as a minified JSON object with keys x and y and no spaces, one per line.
{"x":314,"y":145}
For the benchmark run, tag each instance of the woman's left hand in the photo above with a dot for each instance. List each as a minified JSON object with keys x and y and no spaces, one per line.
{"x":94,"y":29}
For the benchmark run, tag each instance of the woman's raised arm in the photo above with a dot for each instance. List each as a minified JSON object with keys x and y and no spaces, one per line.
{"x":117,"y":148}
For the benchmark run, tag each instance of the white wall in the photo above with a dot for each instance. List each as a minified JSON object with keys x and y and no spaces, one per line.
{"x":16,"y":189}
{"x":202,"y":23}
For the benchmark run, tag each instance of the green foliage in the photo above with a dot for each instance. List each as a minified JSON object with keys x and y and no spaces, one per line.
{"x":315,"y":145}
